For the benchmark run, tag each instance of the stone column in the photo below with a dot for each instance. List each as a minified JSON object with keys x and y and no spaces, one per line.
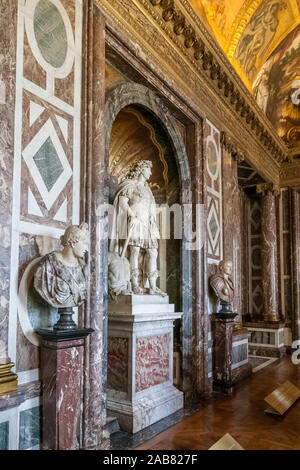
{"x":296,"y":263}
{"x":269,"y":252}
{"x":93,"y":196}
{"x":61,"y":368}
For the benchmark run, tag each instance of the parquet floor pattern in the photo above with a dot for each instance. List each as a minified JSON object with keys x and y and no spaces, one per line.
{"x":241,"y":415}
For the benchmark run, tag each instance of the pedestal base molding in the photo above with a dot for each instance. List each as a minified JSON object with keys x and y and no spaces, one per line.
{"x":8,"y":380}
{"x":134,"y":417}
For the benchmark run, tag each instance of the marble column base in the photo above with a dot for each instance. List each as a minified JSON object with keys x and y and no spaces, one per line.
{"x":8,"y":380}
{"x":61,"y":368}
{"x":140,"y":387}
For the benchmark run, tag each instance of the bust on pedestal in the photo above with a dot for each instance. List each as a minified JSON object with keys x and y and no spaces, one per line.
{"x":60,"y":279}
{"x":228,"y":367}
{"x":140,"y":323}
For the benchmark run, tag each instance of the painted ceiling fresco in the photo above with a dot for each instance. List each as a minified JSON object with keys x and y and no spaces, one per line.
{"x":261,"y":40}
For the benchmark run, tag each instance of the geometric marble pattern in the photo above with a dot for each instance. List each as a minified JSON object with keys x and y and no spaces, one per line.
{"x":35,"y":111}
{"x":213,"y":176}
{"x":47,"y":163}
{"x":213,"y":226}
{"x":47,"y":141}
{"x":63,"y":124}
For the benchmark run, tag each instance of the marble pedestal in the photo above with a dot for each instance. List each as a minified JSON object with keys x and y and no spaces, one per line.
{"x":140,"y":387}
{"x":61,"y":367}
{"x":222,"y":333}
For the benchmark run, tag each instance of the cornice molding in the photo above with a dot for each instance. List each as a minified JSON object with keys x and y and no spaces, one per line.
{"x":202,"y":49}
{"x":137,"y":31}
{"x":231,"y":147}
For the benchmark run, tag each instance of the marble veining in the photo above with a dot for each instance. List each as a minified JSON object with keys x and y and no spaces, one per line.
{"x":152,"y":361}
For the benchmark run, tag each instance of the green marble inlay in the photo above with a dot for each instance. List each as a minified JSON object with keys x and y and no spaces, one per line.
{"x":41,"y":314}
{"x":50,"y":33}
{"x":213,"y":226}
{"x":48,"y":163}
{"x":4,"y":435}
{"x":29,"y":434}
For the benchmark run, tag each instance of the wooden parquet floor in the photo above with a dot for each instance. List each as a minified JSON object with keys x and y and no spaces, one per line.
{"x":241,"y":415}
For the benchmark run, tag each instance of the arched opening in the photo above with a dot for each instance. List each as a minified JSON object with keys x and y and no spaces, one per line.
{"x":140,"y":127}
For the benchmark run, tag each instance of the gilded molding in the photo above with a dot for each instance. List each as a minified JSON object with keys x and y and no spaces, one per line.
{"x":231,"y":147}
{"x":266,"y":188}
{"x":184,"y":50}
{"x":200,"y":51}
{"x":290,"y":174}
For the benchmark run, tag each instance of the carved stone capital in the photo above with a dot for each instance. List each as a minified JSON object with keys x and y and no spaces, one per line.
{"x":267,"y":188}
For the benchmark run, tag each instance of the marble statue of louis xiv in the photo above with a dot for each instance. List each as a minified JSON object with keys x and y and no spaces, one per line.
{"x":134,"y":228}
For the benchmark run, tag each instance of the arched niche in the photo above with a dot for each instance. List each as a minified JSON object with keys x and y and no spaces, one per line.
{"x":138,"y":101}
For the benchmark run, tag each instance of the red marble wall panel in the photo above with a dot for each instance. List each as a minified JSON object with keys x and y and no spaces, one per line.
{"x":152,"y":361}
{"x":117,"y":364}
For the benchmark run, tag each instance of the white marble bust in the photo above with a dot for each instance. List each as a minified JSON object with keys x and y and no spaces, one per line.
{"x":60,"y":278}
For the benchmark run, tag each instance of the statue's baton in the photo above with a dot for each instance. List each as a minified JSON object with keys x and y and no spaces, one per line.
{"x":127,"y":240}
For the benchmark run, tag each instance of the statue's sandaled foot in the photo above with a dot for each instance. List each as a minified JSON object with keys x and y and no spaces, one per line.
{"x":157,"y":291}
{"x":137,"y":290}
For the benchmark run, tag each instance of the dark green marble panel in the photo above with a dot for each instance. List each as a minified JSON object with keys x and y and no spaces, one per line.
{"x":50,"y":33}
{"x":4,"y":435}
{"x":30,"y":428}
{"x":48,"y":164}
{"x":213,"y":226}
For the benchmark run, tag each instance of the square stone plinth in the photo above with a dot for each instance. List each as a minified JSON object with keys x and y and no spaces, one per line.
{"x":140,"y":361}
